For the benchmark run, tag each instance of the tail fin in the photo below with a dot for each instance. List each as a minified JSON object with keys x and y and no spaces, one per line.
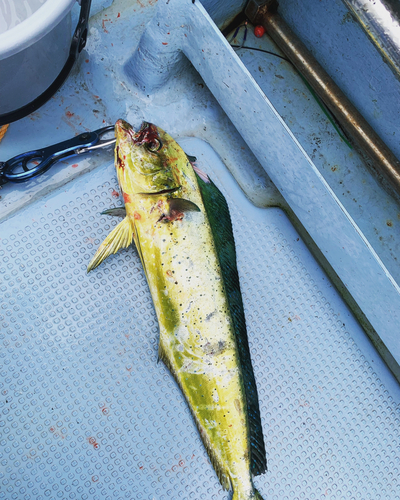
{"x":237,"y":495}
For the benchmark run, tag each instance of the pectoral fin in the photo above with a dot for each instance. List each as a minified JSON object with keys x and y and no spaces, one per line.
{"x":120,"y":237}
{"x":182,"y":205}
{"x":177,"y":208}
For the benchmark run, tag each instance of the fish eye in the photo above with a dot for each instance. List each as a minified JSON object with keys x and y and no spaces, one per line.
{"x":154,"y":145}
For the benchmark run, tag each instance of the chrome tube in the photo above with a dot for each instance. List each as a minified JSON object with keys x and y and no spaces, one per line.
{"x":375,"y":152}
{"x":380,"y":20}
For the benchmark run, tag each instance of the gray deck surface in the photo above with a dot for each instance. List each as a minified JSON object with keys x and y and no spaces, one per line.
{"x":85,"y":410}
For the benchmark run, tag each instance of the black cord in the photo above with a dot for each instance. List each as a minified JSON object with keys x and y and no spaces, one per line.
{"x":260,"y":50}
{"x":244,"y":25}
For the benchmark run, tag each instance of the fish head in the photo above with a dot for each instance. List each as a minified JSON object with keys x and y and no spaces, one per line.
{"x":143,"y":161}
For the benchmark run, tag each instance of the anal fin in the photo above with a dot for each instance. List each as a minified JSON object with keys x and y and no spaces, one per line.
{"x":120,"y":237}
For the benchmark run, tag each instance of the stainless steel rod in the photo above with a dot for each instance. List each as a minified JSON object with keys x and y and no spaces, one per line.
{"x":376,"y":153}
{"x":380,"y":19}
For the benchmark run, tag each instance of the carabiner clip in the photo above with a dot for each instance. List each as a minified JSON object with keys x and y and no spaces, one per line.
{"x":21,"y":167}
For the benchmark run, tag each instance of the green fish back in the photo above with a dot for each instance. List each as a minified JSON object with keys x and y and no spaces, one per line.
{"x":221,"y":226}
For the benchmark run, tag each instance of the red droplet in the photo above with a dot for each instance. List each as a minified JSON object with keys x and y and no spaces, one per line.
{"x":96,"y":445}
{"x":69,"y":114}
{"x":75,"y":165}
{"x":164,"y":43}
{"x":119,"y":14}
{"x":259,"y":31}
{"x":92,"y":440}
{"x":51,"y":429}
{"x":181,"y":463}
{"x":115,"y":194}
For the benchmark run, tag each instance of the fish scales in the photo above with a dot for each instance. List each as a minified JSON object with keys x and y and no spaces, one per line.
{"x":167,"y":218}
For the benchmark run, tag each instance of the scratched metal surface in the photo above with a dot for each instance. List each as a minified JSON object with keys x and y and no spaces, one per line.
{"x":87,"y":413}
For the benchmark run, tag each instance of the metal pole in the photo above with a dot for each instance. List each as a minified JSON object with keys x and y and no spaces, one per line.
{"x":366,"y":141}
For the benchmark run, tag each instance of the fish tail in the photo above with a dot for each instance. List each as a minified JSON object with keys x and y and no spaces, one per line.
{"x":255,"y":495}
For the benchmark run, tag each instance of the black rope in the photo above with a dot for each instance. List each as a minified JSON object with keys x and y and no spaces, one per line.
{"x":261,"y":50}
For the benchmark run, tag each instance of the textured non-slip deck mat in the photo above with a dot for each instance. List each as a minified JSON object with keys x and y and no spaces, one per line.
{"x":87,"y":413}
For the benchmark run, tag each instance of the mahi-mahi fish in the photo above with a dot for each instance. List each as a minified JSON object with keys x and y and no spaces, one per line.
{"x":180,"y":224}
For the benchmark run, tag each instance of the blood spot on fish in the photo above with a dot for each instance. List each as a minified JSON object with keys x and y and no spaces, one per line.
{"x":127,"y":199}
{"x":172,"y":216}
{"x":137,"y":216}
{"x":170,"y":277}
{"x":148,"y":134}
{"x":120,"y":163}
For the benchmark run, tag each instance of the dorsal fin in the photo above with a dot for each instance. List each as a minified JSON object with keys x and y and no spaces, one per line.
{"x":218,"y":215}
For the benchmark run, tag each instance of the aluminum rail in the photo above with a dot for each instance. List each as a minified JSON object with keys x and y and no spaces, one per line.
{"x":380,"y":20}
{"x":181,"y":27}
{"x":367,"y":142}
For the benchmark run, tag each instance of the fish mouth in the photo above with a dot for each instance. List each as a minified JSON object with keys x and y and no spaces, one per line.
{"x":124,"y":131}
{"x":124,"y":125}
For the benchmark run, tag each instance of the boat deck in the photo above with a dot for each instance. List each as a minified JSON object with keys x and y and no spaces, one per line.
{"x":87,"y":412}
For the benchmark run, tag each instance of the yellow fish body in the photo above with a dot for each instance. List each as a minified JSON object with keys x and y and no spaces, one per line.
{"x":180,"y":224}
